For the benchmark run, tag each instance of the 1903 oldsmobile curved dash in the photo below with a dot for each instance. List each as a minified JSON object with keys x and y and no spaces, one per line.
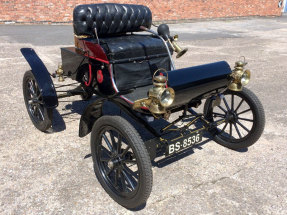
{"x":121,"y":60}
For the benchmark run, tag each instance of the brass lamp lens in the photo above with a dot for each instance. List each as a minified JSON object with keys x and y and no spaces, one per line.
{"x":167,"y":97}
{"x":245,"y":77}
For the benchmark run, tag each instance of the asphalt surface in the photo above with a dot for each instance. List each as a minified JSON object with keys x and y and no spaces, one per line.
{"x":52,"y":173}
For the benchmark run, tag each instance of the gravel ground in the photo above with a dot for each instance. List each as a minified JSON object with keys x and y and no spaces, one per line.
{"x":52,"y":173}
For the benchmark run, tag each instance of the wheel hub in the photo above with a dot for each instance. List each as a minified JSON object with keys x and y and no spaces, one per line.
{"x":231,"y":117}
{"x":111,"y":164}
{"x":115,"y":162}
{"x":34,"y":101}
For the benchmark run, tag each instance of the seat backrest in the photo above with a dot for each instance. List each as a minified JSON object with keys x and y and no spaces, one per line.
{"x":110,"y":19}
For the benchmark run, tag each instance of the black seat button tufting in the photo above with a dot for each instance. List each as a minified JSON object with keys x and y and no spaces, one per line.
{"x":110,"y":19}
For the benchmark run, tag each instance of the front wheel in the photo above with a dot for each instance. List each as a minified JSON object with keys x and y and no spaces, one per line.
{"x":244,"y":119}
{"x":40,"y":115}
{"x":121,"y":161}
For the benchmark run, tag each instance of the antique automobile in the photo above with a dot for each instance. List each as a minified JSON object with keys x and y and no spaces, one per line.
{"x":120,"y":60}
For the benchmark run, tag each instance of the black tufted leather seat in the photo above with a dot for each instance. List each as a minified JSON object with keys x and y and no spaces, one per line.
{"x":110,"y":19}
{"x":135,"y":57}
{"x":112,"y":22}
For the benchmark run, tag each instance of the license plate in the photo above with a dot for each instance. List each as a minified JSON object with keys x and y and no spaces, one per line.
{"x":183,"y":143}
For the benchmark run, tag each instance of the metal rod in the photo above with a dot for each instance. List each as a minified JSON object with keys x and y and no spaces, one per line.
{"x":190,"y":110}
{"x":69,"y":94}
{"x":164,"y":42}
{"x":65,"y":85}
{"x":69,"y":91}
{"x":172,"y":123}
{"x":192,"y":121}
{"x":169,"y":54}
{"x":63,"y":96}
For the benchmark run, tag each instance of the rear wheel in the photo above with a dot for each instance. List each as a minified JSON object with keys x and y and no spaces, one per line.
{"x":121,"y":161}
{"x":244,"y":115}
{"x":39,"y":114}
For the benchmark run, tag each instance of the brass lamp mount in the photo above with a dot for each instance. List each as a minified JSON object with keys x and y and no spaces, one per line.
{"x":59,"y":72}
{"x":159,"y":96}
{"x":160,"y":78}
{"x":239,"y":76}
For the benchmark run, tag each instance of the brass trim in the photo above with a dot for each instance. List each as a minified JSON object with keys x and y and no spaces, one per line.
{"x":154,"y":101}
{"x":82,"y":36}
{"x":176,"y":47}
{"x":237,"y":74}
{"x":60,"y":73}
{"x":191,"y":132}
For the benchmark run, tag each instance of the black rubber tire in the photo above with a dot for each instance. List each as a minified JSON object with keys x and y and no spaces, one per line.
{"x":143,"y":160}
{"x":45,"y":124}
{"x":258,"y":125}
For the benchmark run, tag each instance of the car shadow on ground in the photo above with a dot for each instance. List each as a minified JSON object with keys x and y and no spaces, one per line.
{"x":71,"y":108}
{"x":58,"y":122}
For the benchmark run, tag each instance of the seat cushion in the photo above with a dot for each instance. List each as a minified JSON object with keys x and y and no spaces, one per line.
{"x":133,"y":47}
{"x":129,"y":48}
{"x":110,"y":19}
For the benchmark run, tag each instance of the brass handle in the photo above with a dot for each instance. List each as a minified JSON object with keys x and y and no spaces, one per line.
{"x":153,"y":77}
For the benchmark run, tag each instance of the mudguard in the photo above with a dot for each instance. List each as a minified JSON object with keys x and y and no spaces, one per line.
{"x":93,"y":112}
{"x":42,"y":77}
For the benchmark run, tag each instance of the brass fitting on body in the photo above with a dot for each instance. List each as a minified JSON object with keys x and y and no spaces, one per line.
{"x":60,"y":73}
{"x":239,"y":76}
{"x":176,"y":47}
{"x":159,"y":96}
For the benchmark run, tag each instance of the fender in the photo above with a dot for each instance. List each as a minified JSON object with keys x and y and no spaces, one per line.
{"x":95,"y":110}
{"x":91,"y":114}
{"x":42,"y":77}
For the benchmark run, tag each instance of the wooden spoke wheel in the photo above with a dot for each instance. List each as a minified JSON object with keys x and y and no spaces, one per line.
{"x":39,"y":114}
{"x":121,"y":161}
{"x":244,"y":115}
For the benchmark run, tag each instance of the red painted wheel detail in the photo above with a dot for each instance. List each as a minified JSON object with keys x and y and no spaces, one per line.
{"x":90,"y":76}
{"x":100,"y":77}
